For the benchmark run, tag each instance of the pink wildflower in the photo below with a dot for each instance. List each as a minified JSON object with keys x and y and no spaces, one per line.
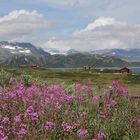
{"x":17,"y":119}
{"x":82,"y":133}
{"x":87,"y":88}
{"x":49,"y":126}
{"x":6,"y":121}
{"x":11,"y":80}
{"x":67,"y":127}
{"x":95,"y":100}
{"x":22,"y":131}
{"x":34,"y":116}
{"x":101,"y":135}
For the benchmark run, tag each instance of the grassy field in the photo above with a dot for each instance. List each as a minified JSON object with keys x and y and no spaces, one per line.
{"x":41,"y":104}
{"x":68,"y":77}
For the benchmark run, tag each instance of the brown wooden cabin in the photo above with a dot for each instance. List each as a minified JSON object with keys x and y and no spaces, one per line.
{"x":34,"y":66}
{"x":125,"y":70}
{"x":87,"y":68}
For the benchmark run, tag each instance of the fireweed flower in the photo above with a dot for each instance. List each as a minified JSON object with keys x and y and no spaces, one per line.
{"x":115,"y":84}
{"x":22,"y":131}
{"x":106,"y":95}
{"x":12,"y":129}
{"x":77,"y":88}
{"x":11,"y":94}
{"x":1,"y":127}
{"x":29,"y":111}
{"x":83,"y":114}
{"x":1,"y":95}
{"x":5,"y":138}
{"x":136,"y":125}
{"x":17,"y":119}
{"x":81,"y":99}
{"x":95,"y":100}
{"x":67,"y":127}
{"x":82,"y":133}
{"x":113,"y":103}
{"x":6,"y":121}
{"x":11,"y":80}
{"x":57,"y":107}
{"x":77,"y":124}
{"x":69,"y":98}
{"x":38,"y":102}
{"x":32,"y":89}
{"x":136,"y":122}
{"x":101,"y":135}
{"x":119,"y":89}
{"x":87,"y":88}
{"x":34,"y":116}
{"x":94,"y":138}
{"x":49,"y":126}
{"x":2,"y":135}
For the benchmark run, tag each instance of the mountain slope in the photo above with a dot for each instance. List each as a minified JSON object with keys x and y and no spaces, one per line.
{"x":129,"y":55}
{"x":13,"y":48}
{"x":62,"y":61}
{"x":14,"y":54}
{"x":80,"y":60}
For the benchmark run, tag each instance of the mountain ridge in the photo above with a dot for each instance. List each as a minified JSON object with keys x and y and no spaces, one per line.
{"x":14,"y":54}
{"x":130,"y":54}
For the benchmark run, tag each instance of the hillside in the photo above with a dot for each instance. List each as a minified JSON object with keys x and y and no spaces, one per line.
{"x":130,"y":55}
{"x":13,"y":54}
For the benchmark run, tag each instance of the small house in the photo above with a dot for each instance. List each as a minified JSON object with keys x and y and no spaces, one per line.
{"x":34,"y":66}
{"x":87,"y":68}
{"x":125,"y":70}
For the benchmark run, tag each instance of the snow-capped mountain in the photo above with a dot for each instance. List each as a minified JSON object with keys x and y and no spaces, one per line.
{"x":56,"y":51}
{"x":132,"y":54}
{"x":20,"y":48}
{"x":72,"y":51}
{"x":14,"y":54}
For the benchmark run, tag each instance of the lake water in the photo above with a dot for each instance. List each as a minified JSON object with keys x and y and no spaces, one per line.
{"x":135,"y":70}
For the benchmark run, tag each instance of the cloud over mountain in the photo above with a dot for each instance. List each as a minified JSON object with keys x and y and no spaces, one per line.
{"x":103,"y":33}
{"x":21,"y":22}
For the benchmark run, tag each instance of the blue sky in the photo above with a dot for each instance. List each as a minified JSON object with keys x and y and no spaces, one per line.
{"x":64,"y":24}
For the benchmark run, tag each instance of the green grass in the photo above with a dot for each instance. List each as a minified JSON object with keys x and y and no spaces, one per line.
{"x":131,"y":81}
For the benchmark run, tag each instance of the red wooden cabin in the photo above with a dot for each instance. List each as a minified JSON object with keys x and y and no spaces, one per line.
{"x":125,"y":70}
{"x":34,"y":66}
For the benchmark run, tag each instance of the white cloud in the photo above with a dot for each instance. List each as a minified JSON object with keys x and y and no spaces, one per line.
{"x":103,"y":33}
{"x":99,"y":23}
{"x":21,"y":22}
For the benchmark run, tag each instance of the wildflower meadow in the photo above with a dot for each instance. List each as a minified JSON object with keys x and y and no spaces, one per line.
{"x":33,"y":110}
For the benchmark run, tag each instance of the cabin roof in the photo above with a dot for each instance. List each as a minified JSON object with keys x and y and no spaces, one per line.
{"x":125,"y":68}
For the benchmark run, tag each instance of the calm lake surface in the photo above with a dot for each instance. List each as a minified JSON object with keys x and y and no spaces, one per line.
{"x":135,"y":70}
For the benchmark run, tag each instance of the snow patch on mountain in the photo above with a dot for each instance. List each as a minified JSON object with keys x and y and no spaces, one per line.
{"x":25,"y":51}
{"x":56,"y":51}
{"x":9,"y":47}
